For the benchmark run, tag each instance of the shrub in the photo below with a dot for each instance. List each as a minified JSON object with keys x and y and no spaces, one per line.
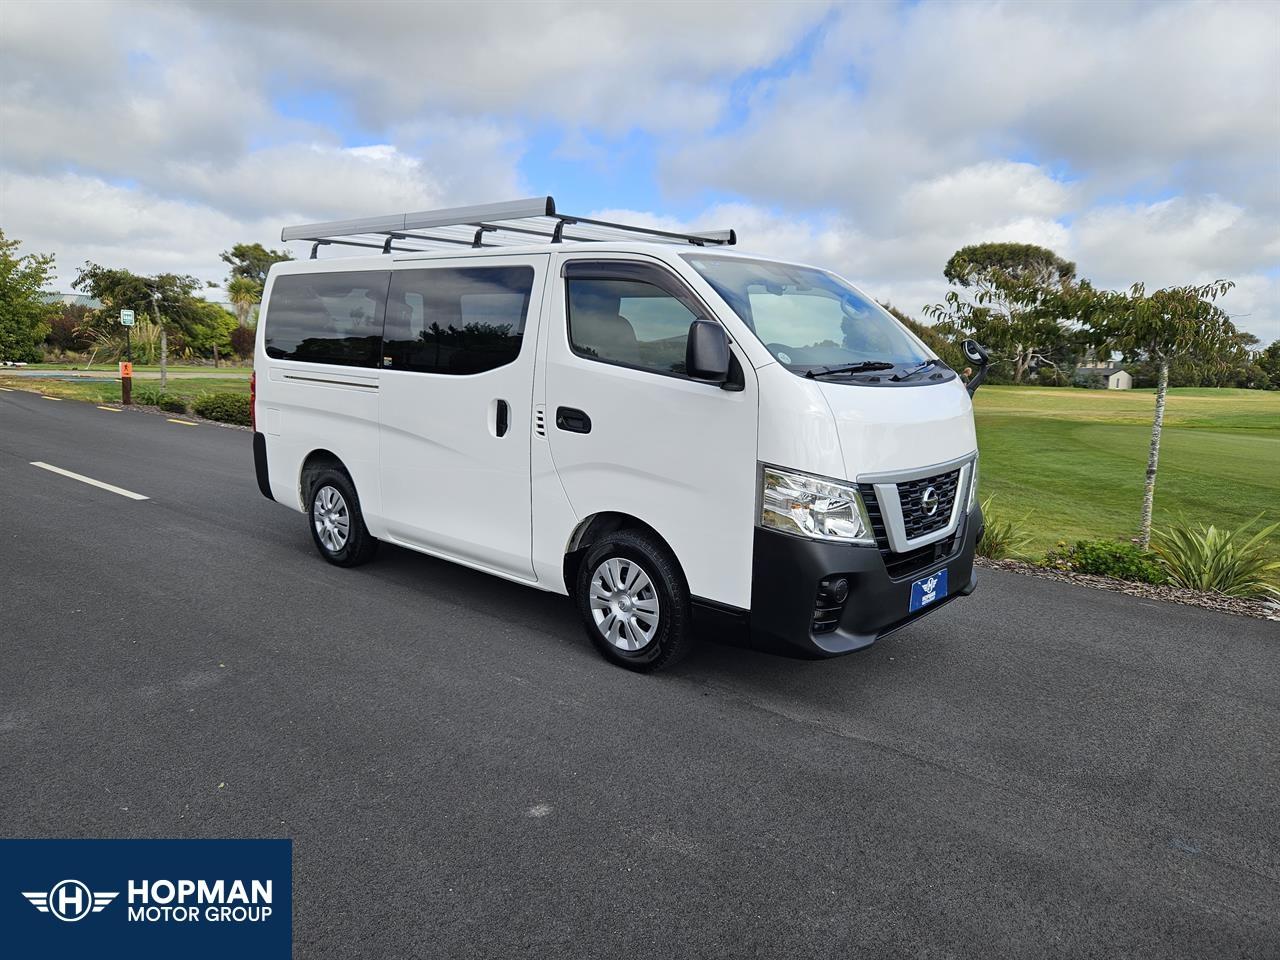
{"x":148,"y":394}
{"x":1001,"y":538}
{"x":172,"y":403}
{"x":227,"y":407}
{"x":242,"y":341}
{"x":1218,"y":561}
{"x":1109,"y":558}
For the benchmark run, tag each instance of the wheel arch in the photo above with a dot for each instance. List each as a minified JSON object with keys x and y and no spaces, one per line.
{"x":315,"y":460}
{"x":596,"y":527}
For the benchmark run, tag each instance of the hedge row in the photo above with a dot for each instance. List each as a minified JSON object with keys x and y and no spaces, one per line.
{"x":227,"y":407}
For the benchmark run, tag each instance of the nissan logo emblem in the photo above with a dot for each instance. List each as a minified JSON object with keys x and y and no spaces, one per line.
{"x":929,"y":501}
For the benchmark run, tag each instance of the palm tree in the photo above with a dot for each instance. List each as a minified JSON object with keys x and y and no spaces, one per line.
{"x":1172,"y":323}
{"x":244,"y":293}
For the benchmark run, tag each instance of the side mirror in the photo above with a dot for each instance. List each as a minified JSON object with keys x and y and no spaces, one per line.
{"x":706,"y":353}
{"x":974,"y":353}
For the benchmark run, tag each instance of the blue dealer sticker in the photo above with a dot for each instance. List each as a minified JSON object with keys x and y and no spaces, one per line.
{"x":145,"y":899}
{"x":927,"y":590}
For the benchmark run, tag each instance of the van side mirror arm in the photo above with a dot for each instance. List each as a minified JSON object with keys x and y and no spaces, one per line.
{"x":974,"y":352}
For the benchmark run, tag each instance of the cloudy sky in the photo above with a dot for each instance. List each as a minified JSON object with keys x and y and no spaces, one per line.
{"x":1141,"y":140}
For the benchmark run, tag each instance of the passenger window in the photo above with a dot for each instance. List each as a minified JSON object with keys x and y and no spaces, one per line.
{"x":456,"y":320}
{"x":629,"y":322}
{"x":327,"y":317}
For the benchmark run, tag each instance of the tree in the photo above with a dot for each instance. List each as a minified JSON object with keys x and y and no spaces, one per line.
{"x":67,"y":333}
{"x":1014,"y":298}
{"x":1269,"y":361}
{"x":168,"y":297}
{"x":242,"y":342}
{"x":1168,"y":325}
{"x":970,"y":265}
{"x":25,"y":314}
{"x":244,"y":294}
{"x":251,"y":261}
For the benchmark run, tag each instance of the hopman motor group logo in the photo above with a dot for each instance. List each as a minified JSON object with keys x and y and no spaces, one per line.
{"x":929,"y":589}
{"x":153,"y":899}
{"x":162,"y":901}
{"x":70,"y":900}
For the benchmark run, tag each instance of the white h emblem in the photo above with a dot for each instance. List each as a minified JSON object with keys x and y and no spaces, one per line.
{"x":69,"y":900}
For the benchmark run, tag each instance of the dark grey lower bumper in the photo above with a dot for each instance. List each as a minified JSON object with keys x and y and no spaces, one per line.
{"x":784,"y":585}
{"x":260,"y":465}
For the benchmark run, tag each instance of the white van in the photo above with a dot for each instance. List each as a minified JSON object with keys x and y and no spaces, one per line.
{"x":679,"y":437}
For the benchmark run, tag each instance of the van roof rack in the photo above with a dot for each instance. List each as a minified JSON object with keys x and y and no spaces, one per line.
{"x":511,"y":223}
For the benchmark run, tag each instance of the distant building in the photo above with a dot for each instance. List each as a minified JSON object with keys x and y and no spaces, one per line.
{"x":71,"y":299}
{"x":1112,"y":376}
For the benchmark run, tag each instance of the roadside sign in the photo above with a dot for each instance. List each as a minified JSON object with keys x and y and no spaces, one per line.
{"x":126,"y":318}
{"x":126,"y":368}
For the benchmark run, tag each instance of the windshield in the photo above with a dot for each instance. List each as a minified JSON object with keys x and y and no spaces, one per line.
{"x":810,"y":320}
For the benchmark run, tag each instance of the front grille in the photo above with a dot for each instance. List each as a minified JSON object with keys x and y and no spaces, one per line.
{"x":903,"y":565}
{"x":911,"y":496}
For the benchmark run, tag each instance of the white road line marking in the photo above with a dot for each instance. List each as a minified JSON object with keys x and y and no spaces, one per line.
{"x":89,"y":480}
{"x":47,"y":397}
{"x":8,"y":389}
{"x":110,"y":409}
{"x":185,"y":423}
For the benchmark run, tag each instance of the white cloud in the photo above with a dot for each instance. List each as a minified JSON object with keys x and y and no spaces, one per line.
{"x":154,"y":136}
{"x":1179,"y":240}
{"x":84,"y":218}
{"x":611,"y":66}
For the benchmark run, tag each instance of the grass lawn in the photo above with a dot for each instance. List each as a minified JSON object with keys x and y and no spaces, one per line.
{"x":97,"y":391}
{"x":112,"y":368}
{"x":1072,"y":462}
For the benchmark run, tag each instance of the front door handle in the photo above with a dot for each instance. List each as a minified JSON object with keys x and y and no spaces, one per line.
{"x":573,"y":420}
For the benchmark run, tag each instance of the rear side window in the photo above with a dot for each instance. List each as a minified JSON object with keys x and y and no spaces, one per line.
{"x":456,"y":320}
{"x":327,"y":317}
{"x":629,"y":322}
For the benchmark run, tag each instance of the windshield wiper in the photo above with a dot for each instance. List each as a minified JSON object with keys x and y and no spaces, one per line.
{"x":863,"y":367}
{"x":916,"y":369}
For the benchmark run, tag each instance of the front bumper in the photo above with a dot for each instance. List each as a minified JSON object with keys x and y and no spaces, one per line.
{"x":784,"y":583}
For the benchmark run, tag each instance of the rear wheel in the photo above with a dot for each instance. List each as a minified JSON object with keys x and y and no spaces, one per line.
{"x":337,"y":525}
{"x":633,"y":601}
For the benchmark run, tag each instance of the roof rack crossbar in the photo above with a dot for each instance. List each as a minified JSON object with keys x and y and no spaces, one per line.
{"x":527,"y":217}
{"x":422,"y":236}
{"x":711,"y":236}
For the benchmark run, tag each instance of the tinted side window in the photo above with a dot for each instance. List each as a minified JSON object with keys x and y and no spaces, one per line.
{"x":630,"y":322}
{"x":456,"y":320}
{"x":327,"y":317}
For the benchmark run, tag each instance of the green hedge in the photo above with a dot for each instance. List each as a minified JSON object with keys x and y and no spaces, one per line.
{"x":227,"y":407}
{"x":1109,"y":558}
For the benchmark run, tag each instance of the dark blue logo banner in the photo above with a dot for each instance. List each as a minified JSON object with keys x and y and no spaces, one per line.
{"x":146,"y":899}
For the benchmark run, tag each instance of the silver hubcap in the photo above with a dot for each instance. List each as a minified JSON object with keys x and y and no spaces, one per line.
{"x":624,"y":604}
{"x":330,"y":516}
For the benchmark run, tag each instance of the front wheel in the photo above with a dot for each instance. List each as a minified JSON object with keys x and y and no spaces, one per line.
{"x":337,"y":525}
{"x":633,"y":602}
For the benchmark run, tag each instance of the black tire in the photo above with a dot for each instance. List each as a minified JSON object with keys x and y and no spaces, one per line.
{"x":672,"y":637}
{"x":358,"y":546}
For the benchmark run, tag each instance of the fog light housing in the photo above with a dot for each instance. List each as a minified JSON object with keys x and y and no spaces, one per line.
{"x":828,"y":605}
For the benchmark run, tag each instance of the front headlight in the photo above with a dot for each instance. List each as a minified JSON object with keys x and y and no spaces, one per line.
{"x":808,"y":506}
{"x":973,"y":484}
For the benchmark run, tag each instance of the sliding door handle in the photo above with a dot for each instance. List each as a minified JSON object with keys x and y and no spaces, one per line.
{"x":572,"y":420}
{"x":502,"y":418}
